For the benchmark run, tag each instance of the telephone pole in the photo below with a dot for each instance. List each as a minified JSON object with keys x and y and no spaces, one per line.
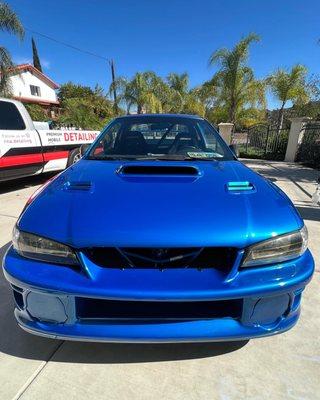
{"x":113,"y":76}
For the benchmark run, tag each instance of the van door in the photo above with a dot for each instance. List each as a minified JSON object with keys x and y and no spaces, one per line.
{"x":20,"y":146}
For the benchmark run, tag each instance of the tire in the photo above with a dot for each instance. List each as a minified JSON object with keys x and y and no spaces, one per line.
{"x":74,"y":156}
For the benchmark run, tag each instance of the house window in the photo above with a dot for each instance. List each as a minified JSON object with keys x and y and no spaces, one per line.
{"x":35,"y":90}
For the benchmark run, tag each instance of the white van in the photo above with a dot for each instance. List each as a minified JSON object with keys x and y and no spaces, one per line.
{"x":25,"y":150}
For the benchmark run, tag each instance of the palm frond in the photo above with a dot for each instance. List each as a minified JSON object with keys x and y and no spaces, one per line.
{"x":9,"y":21}
{"x":6,"y":66}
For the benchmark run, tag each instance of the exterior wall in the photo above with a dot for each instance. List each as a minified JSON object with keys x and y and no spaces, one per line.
{"x":21,"y":87}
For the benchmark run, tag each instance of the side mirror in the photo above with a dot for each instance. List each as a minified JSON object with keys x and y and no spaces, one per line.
{"x":234,"y":149}
{"x":83,"y":148}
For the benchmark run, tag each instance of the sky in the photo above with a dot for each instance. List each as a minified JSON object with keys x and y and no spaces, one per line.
{"x":164,"y":36}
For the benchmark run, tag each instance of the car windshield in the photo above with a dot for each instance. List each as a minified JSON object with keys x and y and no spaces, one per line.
{"x":160,"y":137}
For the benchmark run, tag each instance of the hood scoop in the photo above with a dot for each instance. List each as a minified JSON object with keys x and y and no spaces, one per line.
{"x":78,"y":185}
{"x":161,"y":170}
{"x":241,"y":186}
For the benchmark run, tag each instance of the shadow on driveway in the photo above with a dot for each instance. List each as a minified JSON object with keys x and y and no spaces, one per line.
{"x":23,"y":183}
{"x":309,"y":213}
{"x":283,"y":171}
{"x":15,"y":342}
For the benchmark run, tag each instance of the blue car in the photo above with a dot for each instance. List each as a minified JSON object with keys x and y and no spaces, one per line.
{"x":158,"y":234}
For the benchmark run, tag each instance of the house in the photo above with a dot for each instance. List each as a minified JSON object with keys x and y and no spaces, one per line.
{"x":29,"y":85}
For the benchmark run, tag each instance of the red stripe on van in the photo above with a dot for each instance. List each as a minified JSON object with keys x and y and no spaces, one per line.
{"x":11,"y":161}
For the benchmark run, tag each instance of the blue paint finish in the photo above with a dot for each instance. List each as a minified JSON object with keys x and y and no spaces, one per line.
{"x":166,"y":211}
{"x":92,"y":205}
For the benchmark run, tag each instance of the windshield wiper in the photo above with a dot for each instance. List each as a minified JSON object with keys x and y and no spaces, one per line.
{"x":162,"y":157}
{"x":155,"y":157}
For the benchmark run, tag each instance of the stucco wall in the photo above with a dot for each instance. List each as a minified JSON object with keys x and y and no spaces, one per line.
{"x":21,"y":87}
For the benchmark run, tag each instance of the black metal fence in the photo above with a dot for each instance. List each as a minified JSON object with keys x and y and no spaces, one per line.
{"x":262,"y":141}
{"x":309,"y":148}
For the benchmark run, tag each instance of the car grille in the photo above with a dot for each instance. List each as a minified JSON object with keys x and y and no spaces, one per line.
{"x":93,"y":309}
{"x":220,"y":258}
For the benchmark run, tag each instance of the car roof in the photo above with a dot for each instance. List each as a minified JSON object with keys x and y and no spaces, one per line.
{"x":189,"y":116}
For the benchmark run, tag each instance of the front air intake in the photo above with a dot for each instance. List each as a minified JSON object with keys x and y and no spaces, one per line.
{"x":158,"y":170}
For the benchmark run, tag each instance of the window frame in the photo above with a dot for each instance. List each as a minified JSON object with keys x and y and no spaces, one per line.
{"x":36,"y":89}
{"x":17,"y":118}
{"x":174,"y":119}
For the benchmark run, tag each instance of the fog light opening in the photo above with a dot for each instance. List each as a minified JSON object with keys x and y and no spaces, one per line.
{"x":18,"y":299}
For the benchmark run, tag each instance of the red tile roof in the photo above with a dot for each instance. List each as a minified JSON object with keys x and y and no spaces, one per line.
{"x":35,"y":71}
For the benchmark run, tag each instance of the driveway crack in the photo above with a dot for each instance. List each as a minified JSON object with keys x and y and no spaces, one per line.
{"x":36,"y":373}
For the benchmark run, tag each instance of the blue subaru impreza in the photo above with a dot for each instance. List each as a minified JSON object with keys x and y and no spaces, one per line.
{"x":158,"y":234}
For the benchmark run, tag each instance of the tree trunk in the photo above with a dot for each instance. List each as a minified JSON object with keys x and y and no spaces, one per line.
{"x":232,"y":113}
{"x":232,"y":110}
{"x":139,"y":109}
{"x":281,"y":115}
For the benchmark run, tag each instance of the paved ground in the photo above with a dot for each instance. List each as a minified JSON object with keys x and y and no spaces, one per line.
{"x":281,"y":367}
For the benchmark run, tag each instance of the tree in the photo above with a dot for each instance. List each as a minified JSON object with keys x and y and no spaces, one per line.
{"x":234,"y":85}
{"x":79,"y":113}
{"x":9,"y":22}
{"x":186,"y":101}
{"x":150,"y":93}
{"x":139,"y":91}
{"x":179,"y":82}
{"x":84,"y":107}
{"x":35,"y":56}
{"x":37,"y":113}
{"x":192,"y":105}
{"x":289,"y":85}
{"x":71,"y":90}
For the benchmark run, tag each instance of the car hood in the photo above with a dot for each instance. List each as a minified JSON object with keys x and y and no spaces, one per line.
{"x":92,"y":204}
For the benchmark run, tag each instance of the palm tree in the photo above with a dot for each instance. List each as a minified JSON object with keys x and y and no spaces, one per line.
{"x":141,"y":91}
{"x":178,"y":82}
{"x":289,"y":85}
{"x":234,"y":84}
{"x":171,"y":100}
{"x":193,"y":104}
{"x":9,"y":22}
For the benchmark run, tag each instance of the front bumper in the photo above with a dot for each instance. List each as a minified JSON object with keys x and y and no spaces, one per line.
{"x":46,"y":299}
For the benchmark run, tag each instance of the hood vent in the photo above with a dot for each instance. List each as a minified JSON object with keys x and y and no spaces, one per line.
{"x":78,"y":185}
{"x":240,"y":186}
{"x":158,"y":170}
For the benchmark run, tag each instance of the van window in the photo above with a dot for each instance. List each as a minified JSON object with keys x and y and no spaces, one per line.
{"x":10,"y":118}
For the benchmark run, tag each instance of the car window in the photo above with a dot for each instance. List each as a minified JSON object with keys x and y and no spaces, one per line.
{"x":211,"y":142}
{"x":10,"y":118}
{"x":154,"y":136}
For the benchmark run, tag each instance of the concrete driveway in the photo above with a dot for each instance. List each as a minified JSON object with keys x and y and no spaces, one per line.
{"x":280,"y":367}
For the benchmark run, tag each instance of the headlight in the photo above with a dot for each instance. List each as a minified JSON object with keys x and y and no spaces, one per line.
{"x":278,"y":249}
{"x":39,"y":248}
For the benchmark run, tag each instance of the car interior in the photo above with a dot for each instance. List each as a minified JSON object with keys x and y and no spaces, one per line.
{"x":144,"y":139}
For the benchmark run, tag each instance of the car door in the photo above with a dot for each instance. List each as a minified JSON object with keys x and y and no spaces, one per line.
{"x":20,"y":145}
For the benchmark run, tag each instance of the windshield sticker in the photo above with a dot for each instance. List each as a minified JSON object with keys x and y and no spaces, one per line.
{"x":203,"y":154}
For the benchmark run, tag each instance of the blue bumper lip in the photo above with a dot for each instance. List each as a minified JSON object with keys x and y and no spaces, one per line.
{"x":218,"y":330}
